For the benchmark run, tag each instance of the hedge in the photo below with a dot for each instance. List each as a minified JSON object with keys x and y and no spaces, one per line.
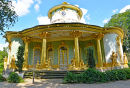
{"x":94,"y":76}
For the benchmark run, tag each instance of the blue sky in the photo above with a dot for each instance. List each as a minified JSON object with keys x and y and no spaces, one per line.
{"x":34,"y":12}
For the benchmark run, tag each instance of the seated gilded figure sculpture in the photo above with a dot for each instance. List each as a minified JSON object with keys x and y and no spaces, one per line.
{"x":38,"y":65}
{"x":82,"y":65}
{"x":13,"y":66}
{"x":48,"y":64}
{"x":113,"y":59}
{"x":125,"y":60}
{"x":72,"y":66}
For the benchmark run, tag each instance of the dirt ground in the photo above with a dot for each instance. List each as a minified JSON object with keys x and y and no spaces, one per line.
{"x":57,"y":83}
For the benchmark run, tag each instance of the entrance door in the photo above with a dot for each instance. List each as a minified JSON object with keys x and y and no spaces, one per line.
{"x":63,"y":58}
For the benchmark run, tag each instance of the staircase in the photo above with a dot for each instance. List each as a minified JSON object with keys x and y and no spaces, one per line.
{"x":49,"y":74}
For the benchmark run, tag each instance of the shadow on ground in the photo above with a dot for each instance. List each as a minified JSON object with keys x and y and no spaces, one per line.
{"x":57,"y":83}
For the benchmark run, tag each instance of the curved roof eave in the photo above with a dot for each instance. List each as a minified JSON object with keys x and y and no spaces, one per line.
{"x":77,"y":25}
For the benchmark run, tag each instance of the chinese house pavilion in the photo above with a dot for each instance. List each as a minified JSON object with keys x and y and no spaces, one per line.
{"x":63,"y":43}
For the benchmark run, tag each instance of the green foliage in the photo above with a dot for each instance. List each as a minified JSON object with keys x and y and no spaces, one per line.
{"x":122,"y":20}
{"x":2,"y":55}
{"x":127,"y":71}
{"x":14,"y":78}
{"x":94,"y":76}
{"x":20,"y":59}
{"x":129,"y":64}
{"x":90,"y":57}
{"x":7,"y":15}
{"x":2,"y":78}
{"x":122,"y":75}
{"x":112,"y":75}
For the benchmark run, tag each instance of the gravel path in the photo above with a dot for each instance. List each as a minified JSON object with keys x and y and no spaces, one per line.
{"x":56,"y":83}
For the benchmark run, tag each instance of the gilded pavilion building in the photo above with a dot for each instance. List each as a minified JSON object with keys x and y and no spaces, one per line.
{"x":64,"y":42}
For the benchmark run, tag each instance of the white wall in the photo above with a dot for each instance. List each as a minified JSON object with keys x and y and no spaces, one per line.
{"x":71,"y":16}
{"x":121,"y":49}
{"x":16,"y":42}
{"x":109,"y":46}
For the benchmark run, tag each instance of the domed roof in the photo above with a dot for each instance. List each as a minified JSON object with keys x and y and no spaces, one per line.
{"x":63,"y":6}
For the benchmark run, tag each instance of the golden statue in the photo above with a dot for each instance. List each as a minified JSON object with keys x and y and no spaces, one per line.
{"x":72,"y":66}
{"x":113,"y":59}
{"x":5,"y":62}
{"x":125,"y":60}
{"x":38,"y":65}
{"x":82,"y":66}
{"x":48,"y":64}
{"x":13,"y":62}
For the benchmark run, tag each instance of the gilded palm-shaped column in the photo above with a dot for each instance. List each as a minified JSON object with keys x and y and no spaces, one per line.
{"x":9,"y":54}
{"x":26,"y":41}
{"x":119,"y":49}
{"x":76,"y":35}
{"x":43,"y":35}
{"x":98,"y":37}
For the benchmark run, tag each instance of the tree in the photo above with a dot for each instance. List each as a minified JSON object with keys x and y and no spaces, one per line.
{"x":7,"y":15}
{"x":20,"y":59}
{"x":122,"y":20}
{"x":2,"y":55}
{"x":90,"y":57}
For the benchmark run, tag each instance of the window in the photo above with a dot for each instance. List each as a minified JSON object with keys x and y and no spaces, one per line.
{"x":50,"y":53}
{"x":37,"y":54}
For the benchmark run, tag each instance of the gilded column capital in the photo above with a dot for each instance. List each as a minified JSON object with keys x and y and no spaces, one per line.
{"x":26,"y":39}
{"x":97,"y":36}
{"x":44,"y":35}
{"x":76,"y":33}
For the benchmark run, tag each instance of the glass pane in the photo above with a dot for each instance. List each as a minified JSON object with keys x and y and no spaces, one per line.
{"x":37,"y":56}
{"x":65,"y":59}
{"x":63,"y":48}
{"x":61,"y":60}
{"x":50,"y":55}
{"x":50,"y":49}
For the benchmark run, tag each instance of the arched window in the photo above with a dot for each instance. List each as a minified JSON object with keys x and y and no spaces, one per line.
{"x":50,"y":53}
{"x":37,"y":54}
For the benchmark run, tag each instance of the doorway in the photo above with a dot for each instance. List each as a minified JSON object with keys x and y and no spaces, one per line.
{"x":63,"y":58}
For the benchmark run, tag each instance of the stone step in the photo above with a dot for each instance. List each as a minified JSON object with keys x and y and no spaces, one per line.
{"x":48,"y":74}
{"x":52,"y":77}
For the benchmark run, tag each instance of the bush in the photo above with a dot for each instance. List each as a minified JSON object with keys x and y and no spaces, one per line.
{"x":2,"y":78}
{"x":111,"y":75}
{"x":20,"y":59}
{"x":90,"y":57}
{"x":121,"y":74}
{"x":15,"y":78}
{"x":129,"y":64}
{"x":69,"y":78}
{"x":94,"y":76}
{"x":116,"y":74}
{"x":89,"y":76}
{"x":127,"y":71}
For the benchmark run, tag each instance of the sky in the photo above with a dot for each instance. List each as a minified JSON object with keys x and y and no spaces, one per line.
{"x":34,"y":12}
